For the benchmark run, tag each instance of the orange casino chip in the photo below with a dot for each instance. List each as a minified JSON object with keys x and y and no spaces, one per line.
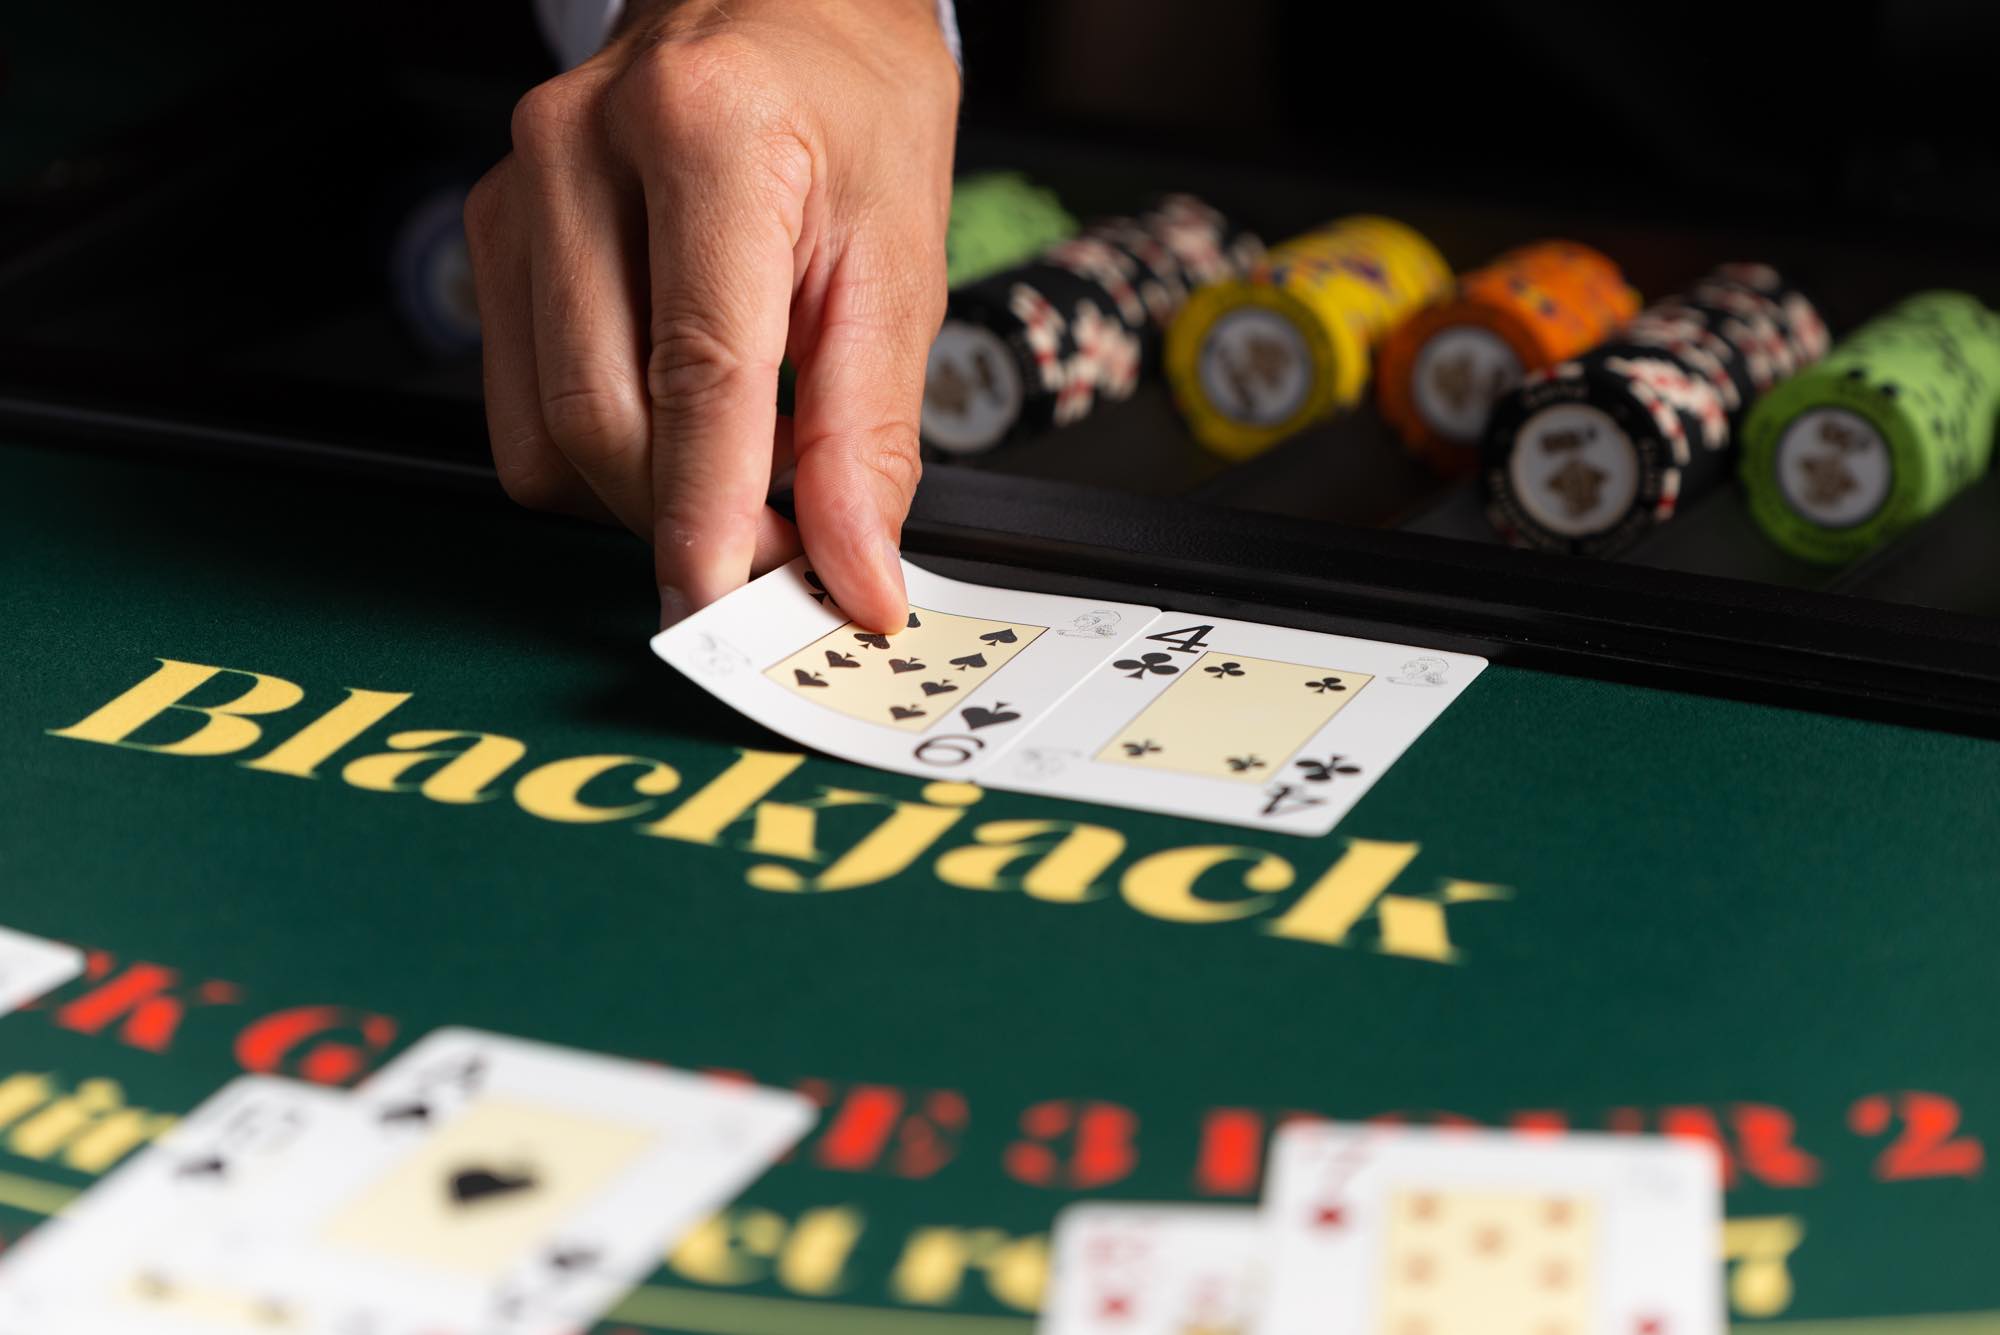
{"x":1441,"y":371}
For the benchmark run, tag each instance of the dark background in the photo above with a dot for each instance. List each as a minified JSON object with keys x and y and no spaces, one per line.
{"x":1848,"y":113}
{"x":198,"y":204}
{"x":198,"y":200}
{"x":196,"y":192}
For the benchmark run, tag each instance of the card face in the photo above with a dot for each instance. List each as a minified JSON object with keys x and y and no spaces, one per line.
{"x":1382,"y":1229}
{"x":488,"y":1183}
{"x":1240,"y":722}
{"x":1454,"y":1258}
{"x":31,"y":966}
{"x":1230,"y":716}
{"x":906,"y":681}
{"x":946,"y":695}
{"x":104,"y":1263}
{"x":1153,"y":1270}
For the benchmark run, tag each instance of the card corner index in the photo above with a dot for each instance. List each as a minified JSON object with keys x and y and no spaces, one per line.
{"x":1436,"y":669}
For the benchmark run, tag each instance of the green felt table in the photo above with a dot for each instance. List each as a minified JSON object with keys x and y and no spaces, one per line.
{"x":1572,"y":903}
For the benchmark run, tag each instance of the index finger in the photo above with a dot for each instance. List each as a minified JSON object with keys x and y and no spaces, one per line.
{"x":724,"y":216}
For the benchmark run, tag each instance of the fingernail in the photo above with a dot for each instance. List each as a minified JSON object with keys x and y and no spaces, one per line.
{"x":674,"y":606}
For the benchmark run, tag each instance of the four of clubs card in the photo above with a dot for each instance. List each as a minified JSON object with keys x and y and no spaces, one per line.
{"x":1128,"y":705}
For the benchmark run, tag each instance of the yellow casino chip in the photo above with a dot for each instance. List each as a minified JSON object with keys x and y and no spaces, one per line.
{"x":1254,"y":360}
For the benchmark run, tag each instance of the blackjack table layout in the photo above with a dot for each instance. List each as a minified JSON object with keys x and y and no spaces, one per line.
{"x":315,"y":744}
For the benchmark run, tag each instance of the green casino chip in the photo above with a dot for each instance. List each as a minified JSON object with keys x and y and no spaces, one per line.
{"x":1896,"y":421}
{"x":999,"y":220}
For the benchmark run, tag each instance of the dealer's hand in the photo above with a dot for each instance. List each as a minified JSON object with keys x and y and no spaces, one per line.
{"x":728,"y":183}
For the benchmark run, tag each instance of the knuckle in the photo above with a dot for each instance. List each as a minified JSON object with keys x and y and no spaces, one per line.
{"x":708,"y":69}
{"x":693,"y":87}
{"x":592,"y":420}
{"x":692,"y":367}
{"x":530,"y":482}
{"x":548,"y":116}
{"x":785,"y":160}
{"x":715,"y":109}
{"x":890,"y":453}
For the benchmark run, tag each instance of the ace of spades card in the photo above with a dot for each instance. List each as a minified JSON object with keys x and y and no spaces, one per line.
{"x":1153,"y":1270}
{"x":967,"y":675}
{"x":1458,"y":1232}
{"x":487,"y":1183}
{"x":1235,"y":721}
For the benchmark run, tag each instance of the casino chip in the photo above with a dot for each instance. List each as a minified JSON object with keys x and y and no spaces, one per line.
{"x":999,"y":220}
{"x":430,"y":274}
{"x":1589,"y":455}
{"x":1254,"y":359}
{"x":1441,"y":370}
{"x":1041,"y":344}
{"x":1895,"y":422}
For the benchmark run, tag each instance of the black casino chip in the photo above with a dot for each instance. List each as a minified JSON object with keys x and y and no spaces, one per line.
{"x":1590,"y":456}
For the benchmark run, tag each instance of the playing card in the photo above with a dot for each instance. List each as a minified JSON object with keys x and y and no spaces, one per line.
{"x":106,"y":1262}
{"x":1162,"y":711}
{"x":1153,"y":1270}
{"x":1451,"y":1232}
{"x":490,"y":1184}
{"x":970,"y":673}
{"x":1235,"y":721}
{"x":30,"y":966}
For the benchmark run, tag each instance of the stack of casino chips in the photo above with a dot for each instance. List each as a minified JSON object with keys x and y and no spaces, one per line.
{"x":1441,"y":371}
{"x":998,"y":220}
{"x":1040,"y":345}
{"x":1895,"y":422}
{"x":1254,"y":360}
{"x":1589,"y":455}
